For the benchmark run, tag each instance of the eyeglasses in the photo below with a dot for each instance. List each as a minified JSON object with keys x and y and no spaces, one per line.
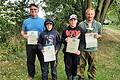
{"x":33,"y":9}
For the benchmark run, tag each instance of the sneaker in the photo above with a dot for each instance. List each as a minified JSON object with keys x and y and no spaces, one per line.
{"x":74,"y":78}
{"x":29,"y":78}
{"x":79,"y":78}
{"x":69,"y":78}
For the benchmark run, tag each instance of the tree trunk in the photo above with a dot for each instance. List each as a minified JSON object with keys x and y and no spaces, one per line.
{"x":106,"y":5}
{"x":85,"y":4}
{"x":89,"y":3}
{"x":83,"y":9}
{"x":101,"y":10}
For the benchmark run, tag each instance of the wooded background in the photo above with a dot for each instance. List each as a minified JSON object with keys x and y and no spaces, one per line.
{"x":12,"y":14}
{"x":12,"y":45}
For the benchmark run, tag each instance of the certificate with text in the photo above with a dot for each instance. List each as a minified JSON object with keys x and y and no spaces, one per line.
{"x":49,"y":53}
{"x":91,"y":41}
{"x":32,"y":37}
{"x":72,"y":45}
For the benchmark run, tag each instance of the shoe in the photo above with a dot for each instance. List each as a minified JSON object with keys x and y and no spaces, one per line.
{"x":91,"y":79}
{"x":30,"y":78}
{"x":74,"y":78}
{"x":79,"y":78}
{"x":69,"y":78}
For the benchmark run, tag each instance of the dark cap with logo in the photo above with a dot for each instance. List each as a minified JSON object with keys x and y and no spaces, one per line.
{"x":73,"y":16}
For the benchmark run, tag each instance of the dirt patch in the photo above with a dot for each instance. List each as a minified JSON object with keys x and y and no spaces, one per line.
{"x":111,"y":35}
{"x":2,"y":63}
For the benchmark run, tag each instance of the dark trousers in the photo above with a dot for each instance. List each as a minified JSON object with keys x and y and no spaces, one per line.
{"x":32,"y":51}
{"x":71,"y":61}
{"x":45,"y":70}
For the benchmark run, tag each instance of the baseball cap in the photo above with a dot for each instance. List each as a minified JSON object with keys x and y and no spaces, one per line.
{"x":73,"y":16}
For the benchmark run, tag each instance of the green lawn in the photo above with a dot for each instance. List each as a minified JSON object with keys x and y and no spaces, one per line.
{"x":108,"y":62}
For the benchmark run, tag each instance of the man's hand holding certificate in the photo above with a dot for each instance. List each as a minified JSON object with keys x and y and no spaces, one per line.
{"x":91,"y":40}
{"x":32,"y":37}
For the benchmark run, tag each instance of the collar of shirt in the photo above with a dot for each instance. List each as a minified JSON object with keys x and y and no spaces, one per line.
{"x":88,"y":23}
{"x":34,"y":17}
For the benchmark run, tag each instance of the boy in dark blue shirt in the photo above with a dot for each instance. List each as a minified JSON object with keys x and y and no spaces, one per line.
{"x":50,"y":37}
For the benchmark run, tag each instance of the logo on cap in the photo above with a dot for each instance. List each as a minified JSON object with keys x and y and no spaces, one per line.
{"x":73,"y":16}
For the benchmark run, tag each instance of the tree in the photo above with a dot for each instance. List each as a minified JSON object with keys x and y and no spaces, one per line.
{"x":11,"y":17}
{"x":117,"y":9}
{"x":62,"y":9}
{"x":102,"y":8}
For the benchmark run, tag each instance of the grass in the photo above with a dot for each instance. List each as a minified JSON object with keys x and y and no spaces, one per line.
{"x":108,"y":61}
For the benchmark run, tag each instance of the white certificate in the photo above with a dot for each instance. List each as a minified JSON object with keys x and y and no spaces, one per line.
{"x":49,"y":53}
{"x":72,"y":45}
{"x":32,"y":37}
{"x":91,"y":41}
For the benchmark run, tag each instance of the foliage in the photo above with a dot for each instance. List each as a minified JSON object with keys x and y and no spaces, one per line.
{"x":62,"y":9}
{"x":11,"y":17}
{"x":12,"y":49}
{"x":114,"y":9}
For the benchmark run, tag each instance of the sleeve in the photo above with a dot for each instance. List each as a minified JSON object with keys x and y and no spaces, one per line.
{"x":82,"y":40}
{"x":58,"y":42}
{"x":63,"y":37}
{"x":40,"y":42}
{"x":100,"y":28}
{"x":82,"y":25}
{"x":43,"y":25}
{"x":24,"y":26}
